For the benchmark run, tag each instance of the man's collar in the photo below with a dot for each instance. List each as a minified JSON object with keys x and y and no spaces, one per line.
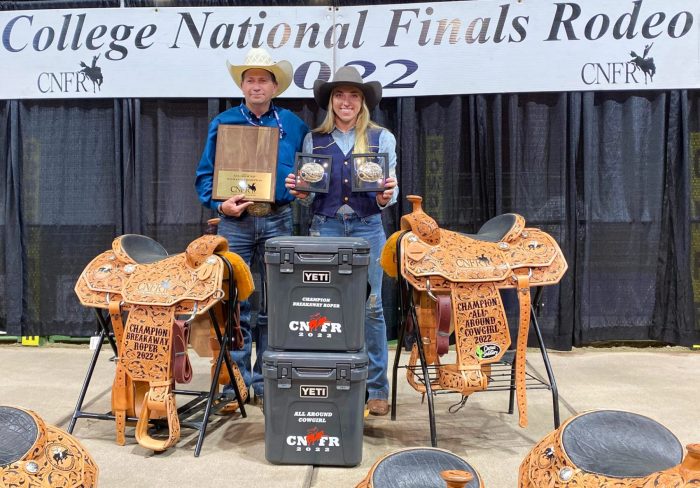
{"x":250,"y":112}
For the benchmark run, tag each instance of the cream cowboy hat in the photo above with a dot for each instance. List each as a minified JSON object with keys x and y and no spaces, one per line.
{"x":348,"y":76}
{"x":259,"y":58}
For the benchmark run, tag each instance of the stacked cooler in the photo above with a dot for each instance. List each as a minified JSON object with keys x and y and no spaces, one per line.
{"x":315,"y":369}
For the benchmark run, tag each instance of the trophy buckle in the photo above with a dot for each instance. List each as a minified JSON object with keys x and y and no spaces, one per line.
{"x":260,"y":209}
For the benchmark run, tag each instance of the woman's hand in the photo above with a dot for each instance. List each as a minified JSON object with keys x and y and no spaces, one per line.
{"x":290,"y":182}
{"x":385,"y":197}
{"x":234,"y":206}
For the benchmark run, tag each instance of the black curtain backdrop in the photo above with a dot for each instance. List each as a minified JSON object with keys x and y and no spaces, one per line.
{"x":614,"y":177}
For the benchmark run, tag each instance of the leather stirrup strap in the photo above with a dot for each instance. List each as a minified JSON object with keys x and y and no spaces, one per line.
{"x":521,"y":348}
{"x":122,"y":389}
{"x":182,"y":368}
{"x":444,"y":317}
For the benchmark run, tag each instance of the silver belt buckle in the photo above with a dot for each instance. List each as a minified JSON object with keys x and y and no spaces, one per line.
{"x":260,"y":209}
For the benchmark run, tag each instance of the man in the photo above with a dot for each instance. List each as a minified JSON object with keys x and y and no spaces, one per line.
{"x":247,"y":225}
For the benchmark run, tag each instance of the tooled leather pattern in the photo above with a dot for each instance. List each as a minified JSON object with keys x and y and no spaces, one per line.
{"x":61,"y":462}
{"x":472,"y":272}
{"x":153,"y":294}
{"x":186,"y":280}
{"x":542,"y":466}
{"x":459,"y":258}
{"x":422,"y":225}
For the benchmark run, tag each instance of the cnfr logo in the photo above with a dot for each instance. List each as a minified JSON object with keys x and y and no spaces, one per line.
{"x":72,"y":81}
{"x":314,"y":440}
{"x":151,"y":288}
{"x":317,"y":324}
{"x":621,"y":72}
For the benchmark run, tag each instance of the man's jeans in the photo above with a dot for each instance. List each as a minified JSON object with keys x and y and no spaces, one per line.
{"x":246,"y":237}
{"x":370,"y":228}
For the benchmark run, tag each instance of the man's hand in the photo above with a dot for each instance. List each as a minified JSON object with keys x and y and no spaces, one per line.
{"x":290,"y":182}
{"x":385,"y":197}
{"x":235,"y":206}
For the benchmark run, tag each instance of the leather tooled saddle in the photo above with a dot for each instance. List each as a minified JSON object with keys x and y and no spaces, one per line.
{"x":139,"y":277}
{"x":421,"y":467}
{"x":611,"y":448}
{"x":34,"y":454}
{"x":456,"y":280}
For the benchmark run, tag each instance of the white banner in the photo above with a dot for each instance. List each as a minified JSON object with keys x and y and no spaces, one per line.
{"x":412,"y":49}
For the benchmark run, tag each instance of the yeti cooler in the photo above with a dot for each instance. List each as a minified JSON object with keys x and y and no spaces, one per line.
{"x":314,"y":407}
{"x":316,"y":288}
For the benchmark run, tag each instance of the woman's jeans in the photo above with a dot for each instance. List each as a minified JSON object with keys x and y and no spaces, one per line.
{"x":246,"y":237}
{"x":370,"y":228}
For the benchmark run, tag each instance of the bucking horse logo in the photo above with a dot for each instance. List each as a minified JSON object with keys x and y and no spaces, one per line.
{"x":644,"y":63}
{"x":93,"y":73}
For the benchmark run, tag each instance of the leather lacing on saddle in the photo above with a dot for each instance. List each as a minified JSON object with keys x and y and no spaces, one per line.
{"x":161,"y":294}
{"x":456,"y":280}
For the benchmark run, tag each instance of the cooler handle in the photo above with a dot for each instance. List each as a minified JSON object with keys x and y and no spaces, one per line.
{"x":316,"y":373}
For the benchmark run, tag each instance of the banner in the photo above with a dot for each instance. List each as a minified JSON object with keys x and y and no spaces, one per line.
{"x":412,"y":49}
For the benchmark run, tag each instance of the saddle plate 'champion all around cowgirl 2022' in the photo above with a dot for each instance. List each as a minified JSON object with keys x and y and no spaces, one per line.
{"x":456,"y":280}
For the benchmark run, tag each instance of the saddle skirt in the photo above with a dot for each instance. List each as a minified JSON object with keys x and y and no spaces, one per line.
{"x":456,"y":280}
{"x":34,"y":454}
{"x":610,"y":448}
{"x":190,"y":281}
{"x":139,"y":277}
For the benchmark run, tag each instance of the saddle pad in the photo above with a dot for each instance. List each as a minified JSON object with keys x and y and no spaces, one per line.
{"x":419,"y":468}
{"x":620,"y":444}
{"x":18,"y":433}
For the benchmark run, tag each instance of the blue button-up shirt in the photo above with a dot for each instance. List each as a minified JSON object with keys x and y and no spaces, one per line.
{"x":293,"y":131}
{"x":345,"y":142}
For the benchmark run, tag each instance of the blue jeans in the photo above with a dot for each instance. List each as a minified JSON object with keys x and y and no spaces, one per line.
{"x":246,"y":237}
{"x":369,"y":228}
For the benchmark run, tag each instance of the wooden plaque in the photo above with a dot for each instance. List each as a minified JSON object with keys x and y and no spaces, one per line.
{"x":245,"y":162}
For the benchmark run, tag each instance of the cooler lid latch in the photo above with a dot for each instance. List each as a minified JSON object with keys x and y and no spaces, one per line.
{"x":284,"y":375}
{"x":342,"y":376}
{"x":345,"y":261}
{"x":287,"y":260}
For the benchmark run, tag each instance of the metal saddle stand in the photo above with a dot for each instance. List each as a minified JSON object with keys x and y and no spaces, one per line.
{"x":502,"y":377}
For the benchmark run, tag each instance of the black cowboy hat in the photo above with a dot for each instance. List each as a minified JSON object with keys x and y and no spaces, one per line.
{"x":347,"y":76}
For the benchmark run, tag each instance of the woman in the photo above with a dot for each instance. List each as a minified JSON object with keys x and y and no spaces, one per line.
{"x":347,"y":129}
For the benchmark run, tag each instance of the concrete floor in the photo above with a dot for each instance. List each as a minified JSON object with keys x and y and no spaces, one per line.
{"x":661,"y":383}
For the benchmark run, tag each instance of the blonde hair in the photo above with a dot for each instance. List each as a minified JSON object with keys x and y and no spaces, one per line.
{"x":361,"y":125}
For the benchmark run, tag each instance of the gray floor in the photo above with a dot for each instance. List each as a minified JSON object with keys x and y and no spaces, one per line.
{"x":661,"y":383}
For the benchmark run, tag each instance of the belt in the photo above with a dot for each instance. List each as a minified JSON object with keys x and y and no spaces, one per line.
{"x":263,"y":209}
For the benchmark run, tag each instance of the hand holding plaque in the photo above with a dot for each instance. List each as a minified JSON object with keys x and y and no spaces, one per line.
{"x":312,"y":172}
{"x":245,"y":162}
{"x":369,"y":171}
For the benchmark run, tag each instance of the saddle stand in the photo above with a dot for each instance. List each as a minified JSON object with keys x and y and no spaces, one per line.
{"x":150,"y":350}
{"x":451,"y":283}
